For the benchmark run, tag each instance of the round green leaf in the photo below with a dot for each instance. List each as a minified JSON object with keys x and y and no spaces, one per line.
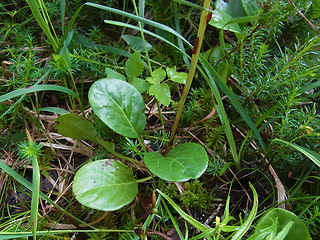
{"x":274,"y":221}
{"x":105,"y":185}
{"x":119,"y":105}
{"x":186,"y":161}
{"x":251,"y":7}
{"x":220,"y":19}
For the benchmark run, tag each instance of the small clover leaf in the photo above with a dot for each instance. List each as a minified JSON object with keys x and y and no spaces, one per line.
{"x":157,"y":76}
{"x":179,"y":77}
{"x":161,"y":92}
{"x":140,"y":84}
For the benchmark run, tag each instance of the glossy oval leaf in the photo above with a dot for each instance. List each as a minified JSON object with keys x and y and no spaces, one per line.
{"x":273,"y":222}
{"x":119,"y":105}
{"x":186,"y":161}
{"x":105,"y":185}
{"x":221,"y":18}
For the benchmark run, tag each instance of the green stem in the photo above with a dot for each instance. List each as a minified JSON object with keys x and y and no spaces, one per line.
{"x":71,"y":99}
{"x":28,"y":185}
{"x":35,"y":196}
{"x":11,"y":235}
{"x":144,"y":179}
{"x":147,"y":56}
{"x":111,"y":149}
{"x":302,"y":180}
{"x":194,"y":61}
{"x":160,"y":116}
{"x":146,"y":224}
{"x":241,"y":58}
{"x":142,"y":36}
{"x":76,"y":90}
{"x":141,"y":143}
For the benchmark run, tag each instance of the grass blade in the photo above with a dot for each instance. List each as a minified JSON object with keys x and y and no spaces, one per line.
{"x":188,"y":218}
{"x":223,"y":116}
{"x":145,"y":31}
{"x":233,"y":99}
{"x":12,"y":235}
{"x":246,"y":225}
{"x":44,"y":87}
{"x":137,"y":18}
{"x":28,"y":185}
{"x":22,"y":97}
{"x":56,"y":110}
{"x":62,"y":13}
{"x":142,"y":4}
{"x":35,"y":196}
{"x":42,"y":21}
{"x":69,"y":26}
{"x":313,"y":156}
{"x":191,"y":4}
{"x":180,"y":42}
{"x":94,"y":46}
{"x":173,"y":220}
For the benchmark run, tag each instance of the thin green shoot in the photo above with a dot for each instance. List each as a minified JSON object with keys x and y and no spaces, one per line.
{"x":140,"y":13}
{"x":28,"y":185}
{"x":31,"y":151}
{"x":172,"y":220}
{"x":193,"y":66}
{"x":41,"y":15}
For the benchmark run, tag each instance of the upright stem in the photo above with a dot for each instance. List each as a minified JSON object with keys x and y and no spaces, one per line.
{"x":35,"y":196}
{"x":76,"y":91}
{"x":142,"y":36}
{"x":148,"y":59}
{"x":35,"y":188}
{"x":111,"y":149}
{"x":194,"y":60}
